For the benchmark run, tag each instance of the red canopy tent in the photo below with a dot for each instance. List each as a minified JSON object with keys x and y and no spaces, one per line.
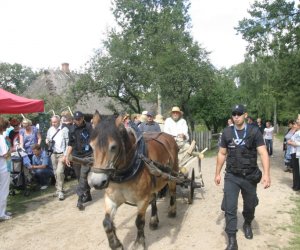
{"x":13,"y":104}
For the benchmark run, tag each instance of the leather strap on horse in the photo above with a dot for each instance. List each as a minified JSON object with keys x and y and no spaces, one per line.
{"x":155,"y":136}
{"x":123,"y":175}
{"x":159,"y":170}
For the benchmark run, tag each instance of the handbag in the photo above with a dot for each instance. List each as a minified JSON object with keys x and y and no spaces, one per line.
{"x":255,"y":176}
{"x":51,"y":143}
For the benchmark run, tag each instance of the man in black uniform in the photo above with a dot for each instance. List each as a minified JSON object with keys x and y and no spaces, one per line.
{"x":79,"y":139}
{"x":239,"y":146}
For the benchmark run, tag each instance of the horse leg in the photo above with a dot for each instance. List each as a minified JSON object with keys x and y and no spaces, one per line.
{"x":108,"y":224}
{"x":154,"y":217}
{"x":140,"y":224}
{"x":110,"y":230}
{"x":172,"y":207}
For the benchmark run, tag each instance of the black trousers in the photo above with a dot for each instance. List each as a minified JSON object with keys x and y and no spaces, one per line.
{"x":296,"y":175}
{"x":233,"y":184}
{"x":82,"y":172}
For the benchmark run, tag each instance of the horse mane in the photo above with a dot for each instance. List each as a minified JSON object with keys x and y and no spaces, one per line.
{"x":109,"y":127}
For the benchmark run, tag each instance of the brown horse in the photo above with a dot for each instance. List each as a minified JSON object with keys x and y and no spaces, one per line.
{"x":120,"y":168}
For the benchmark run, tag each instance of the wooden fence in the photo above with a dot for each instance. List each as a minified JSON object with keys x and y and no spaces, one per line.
{"x":205,"y":139}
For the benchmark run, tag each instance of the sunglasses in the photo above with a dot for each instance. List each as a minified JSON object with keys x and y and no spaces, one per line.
{"x":237,"y":113}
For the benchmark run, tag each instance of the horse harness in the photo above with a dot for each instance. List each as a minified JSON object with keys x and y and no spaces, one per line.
{"x":140,"y":156}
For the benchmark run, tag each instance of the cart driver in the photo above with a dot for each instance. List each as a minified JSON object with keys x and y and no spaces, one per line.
{"x":176,"y":126}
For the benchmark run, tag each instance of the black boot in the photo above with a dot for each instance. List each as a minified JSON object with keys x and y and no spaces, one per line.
{"x":248,"y":230}
{"x":80,"y":203}
{"x":232,"y":243}
{"x":87,"y":197}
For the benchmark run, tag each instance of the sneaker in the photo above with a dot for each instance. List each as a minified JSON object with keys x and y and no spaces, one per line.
{"x":87,"y":197}
{"x":5,"y":217}
{"x":8,"y":213}
{"x":43,"y":187}
{"x":80,"y":203}
{"x":61,"y":196}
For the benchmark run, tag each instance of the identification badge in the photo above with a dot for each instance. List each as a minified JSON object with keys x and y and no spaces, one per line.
{"x":237,"y":141}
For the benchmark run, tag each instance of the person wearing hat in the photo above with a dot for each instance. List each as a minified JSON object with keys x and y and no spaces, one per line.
{"x":143,"y":116}
{"x":176,"y":125}
{"x":79,"y":139}
{"x":66,"y":119}
{"x":160,"y":120}
{"x":238,"y":147}
{"x":150,"y":125}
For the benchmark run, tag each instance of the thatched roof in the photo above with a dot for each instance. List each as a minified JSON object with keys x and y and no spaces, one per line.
{"x":56,"y":82}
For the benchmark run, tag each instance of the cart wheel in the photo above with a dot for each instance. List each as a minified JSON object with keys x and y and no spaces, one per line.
{"x":192,"y":188}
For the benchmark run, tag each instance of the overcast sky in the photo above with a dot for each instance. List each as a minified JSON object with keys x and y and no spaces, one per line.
{"x":46,"y":33}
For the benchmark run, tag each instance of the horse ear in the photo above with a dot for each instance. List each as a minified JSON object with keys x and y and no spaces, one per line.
{"x":119,"y":120}
{"x":96,"y":118}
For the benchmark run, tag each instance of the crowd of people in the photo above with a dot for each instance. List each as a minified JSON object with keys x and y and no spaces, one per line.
{"x":67,"y":137}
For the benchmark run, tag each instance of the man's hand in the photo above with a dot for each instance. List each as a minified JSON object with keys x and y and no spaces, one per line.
{"x":66,"y":161}
{"x":182,"y":136}
{"x":218,"y":179}
{"x":266,"y":181}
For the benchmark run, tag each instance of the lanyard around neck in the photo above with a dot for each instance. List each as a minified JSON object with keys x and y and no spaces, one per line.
{"x":238,"y":140}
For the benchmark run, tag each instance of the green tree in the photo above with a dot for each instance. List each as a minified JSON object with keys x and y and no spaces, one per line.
{"x":212,"y":106}
{"x":152,"y":53}
{"x":272,"y":69}
{"x":15,"y":78}
{"x":273,"y":28}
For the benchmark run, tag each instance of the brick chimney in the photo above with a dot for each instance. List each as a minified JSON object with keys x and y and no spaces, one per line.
{"x":65,"y":68}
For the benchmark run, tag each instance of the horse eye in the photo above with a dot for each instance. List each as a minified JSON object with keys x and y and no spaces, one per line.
{"x":113,"y":147}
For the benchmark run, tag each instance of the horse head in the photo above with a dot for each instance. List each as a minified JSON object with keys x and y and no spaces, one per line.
{"x":111,"y":145}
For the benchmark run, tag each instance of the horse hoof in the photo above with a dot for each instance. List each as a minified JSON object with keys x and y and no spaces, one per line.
{"x":138,"y":246}
{"x":120,"y":247}
{"x":153,"y":226}
{"x":154,"y":221}
{"x":172,"y":214}
{"x":117,"y":246}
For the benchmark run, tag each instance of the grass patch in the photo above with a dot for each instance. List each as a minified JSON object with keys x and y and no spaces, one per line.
{"x":295,"y":228}
{"x":17,"y":203}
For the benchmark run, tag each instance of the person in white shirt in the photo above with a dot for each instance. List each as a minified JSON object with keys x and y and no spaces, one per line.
{"x":4,"y":171}
{"x":57,"y":140}
{"x":177,"y":126}
{"x":268,"y":137}
{"x":294,"y":142}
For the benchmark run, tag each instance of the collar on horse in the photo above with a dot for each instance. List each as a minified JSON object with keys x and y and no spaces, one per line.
{"x":126,"y":174}
{"x":136,"y":164}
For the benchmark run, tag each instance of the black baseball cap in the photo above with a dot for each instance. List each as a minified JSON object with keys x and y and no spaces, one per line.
{"x":78,"y":115}
{"x":150,"y":114}
{"x":239,"y":108}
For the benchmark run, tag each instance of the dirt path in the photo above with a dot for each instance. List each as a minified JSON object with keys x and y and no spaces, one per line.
{"x":51,"y":224}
